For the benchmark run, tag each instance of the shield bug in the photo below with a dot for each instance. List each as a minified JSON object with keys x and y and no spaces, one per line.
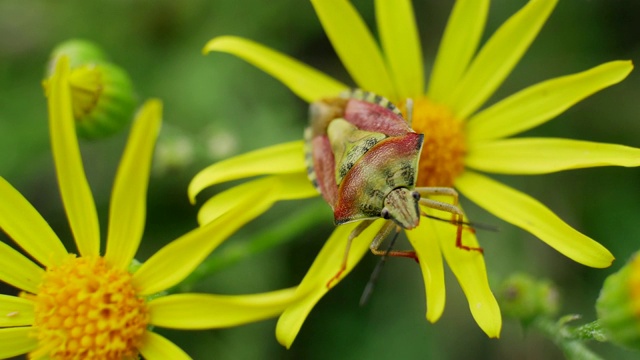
{"x":362,"y":156}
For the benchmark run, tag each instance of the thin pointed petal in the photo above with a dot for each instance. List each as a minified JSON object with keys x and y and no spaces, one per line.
{"x":324,"y":268}
{"x":499,"y":56}
{"x":15,"y":311}
{"x":278,"y":159}
{"x":542,"y":102}
{"x":205,"y":311}
{"x":305,"y":81}
{"x":527,"y":213}
{"x":423,"y":239}
{"x":22,"y":222}
{"x":401,"y":45}
{"x":546,"y":155}
{"x":128,"y":198}
{"x":157,"y":347}
{"x":75,"y":191}
{"x":16,"y":341}
{"x":459,"y":44}
{"x":355,"y":46}
{"x":471,"y":272}
{"x":177,"y":260}
{"x":18,"y":271}
{"x":259,"y":194}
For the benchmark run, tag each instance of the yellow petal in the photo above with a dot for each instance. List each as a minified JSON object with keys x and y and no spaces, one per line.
{"x":305,"y":81}
{"x":74,"y":189}
{"x":459,"y":44}
{"x":204,"y":311}
{"x":259,"y":194}
{"x":18,"y":271}
{"x":469,"y":268}
{"x":156,"y":346}
{"x":499,"y":56}
{"x":178,"y":259}
{"x":15,"y":311}
{"x":539,"y":103}
{"x":401,"y":45}
{"x":325,"y":267}
{"x":545,"y":155}
{"x":527,"y":213}
{"x":16,"y":341}
{"x":423,"y":239}
{"x":278,"y":159}
{"x":355,"y":46}
{"x":129,"y":196}
{"x":22,"y":222}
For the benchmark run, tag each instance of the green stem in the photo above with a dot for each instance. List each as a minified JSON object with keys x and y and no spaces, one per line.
{"x":573,"y":348}
{"x":282,"y":232}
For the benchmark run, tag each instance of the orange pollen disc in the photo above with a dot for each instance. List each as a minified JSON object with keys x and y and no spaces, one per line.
{"x":444,"y":148}
{"x":85,"y":309}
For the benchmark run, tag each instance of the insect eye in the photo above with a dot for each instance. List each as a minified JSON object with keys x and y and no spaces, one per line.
{"x":385,"y":214}
{"x":416,"y":195}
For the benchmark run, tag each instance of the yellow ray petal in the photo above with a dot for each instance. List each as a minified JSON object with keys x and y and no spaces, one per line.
{"x":539,"y":103}
{"x":527,"y":213}
{"x":305,"y":81}
{"x":75,"y":191}
{"x":469,"y":268}
{"x":16,"y":341}
{"x":324,"y":268}
{"x":355,"y":46}
{"x":178,"y":259}
{"x":22,"y":222}
{"x":423,"y":239}
{"x":204,"y":311}
{"x":278,"y":159}
{"x":156,"y":346}
{"x":259,"y":194}
{"x":15,"y":311}
{"x":499,"y":56}
{"x":545,"y":155}
{"x":18,"y":271}
{"x":459,"y":44}
{"x":401,"y":45}
{"x":129,"y":196}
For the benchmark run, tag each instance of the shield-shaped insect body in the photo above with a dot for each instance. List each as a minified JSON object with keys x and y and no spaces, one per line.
{"x":362,"y":157}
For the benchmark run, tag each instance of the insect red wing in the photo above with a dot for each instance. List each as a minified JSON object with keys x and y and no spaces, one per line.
{"x":376,"y":118}
{"x":389,"y":164}
{"x":325,"y":167}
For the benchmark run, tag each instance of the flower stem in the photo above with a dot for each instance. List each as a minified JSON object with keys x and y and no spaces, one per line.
{"x":571,"y":342}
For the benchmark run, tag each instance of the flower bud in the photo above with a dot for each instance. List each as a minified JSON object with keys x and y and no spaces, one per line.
{"x":618,"y":306}
{"x":524,"y":298}
{"x":102,"y":94}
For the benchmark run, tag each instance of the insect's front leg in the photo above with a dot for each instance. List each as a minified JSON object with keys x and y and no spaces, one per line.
{"x":456,"y":213}
{"x":354,"y":234}
{"x":383,"y":234}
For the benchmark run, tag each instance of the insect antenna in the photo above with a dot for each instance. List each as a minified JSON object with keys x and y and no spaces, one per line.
{"x":473,"y":225}
{"x":368,"y":289}
{"x":409,"y":111}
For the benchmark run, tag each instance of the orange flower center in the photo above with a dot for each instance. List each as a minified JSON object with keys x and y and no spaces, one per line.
{"x":444,"y":148}
{"x":85,"y":309}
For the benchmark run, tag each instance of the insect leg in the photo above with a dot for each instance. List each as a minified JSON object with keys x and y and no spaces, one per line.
{"x":354,"y":233}
{"x":457,"y":215}
{"x":379,"y":238}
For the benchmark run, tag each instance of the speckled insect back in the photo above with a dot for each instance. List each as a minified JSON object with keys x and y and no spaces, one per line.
{"x":362,"y":156}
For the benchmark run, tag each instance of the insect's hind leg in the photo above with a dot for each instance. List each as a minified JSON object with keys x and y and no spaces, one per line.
{"x":354,"y":234}
{"x":456,"y":213}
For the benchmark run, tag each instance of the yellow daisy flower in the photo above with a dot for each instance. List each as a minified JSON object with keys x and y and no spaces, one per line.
{"x":93,"y":306}
{"x":460,"y":139}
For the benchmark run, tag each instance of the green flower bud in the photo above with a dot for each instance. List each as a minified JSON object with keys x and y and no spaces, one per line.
{"x":618,"y":306}
{"x":102,"y":93}
{"x":79,"y":52}
{"x":524,"y":298}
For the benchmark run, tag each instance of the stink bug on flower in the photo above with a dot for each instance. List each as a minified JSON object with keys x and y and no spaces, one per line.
{"x":362,"y":156}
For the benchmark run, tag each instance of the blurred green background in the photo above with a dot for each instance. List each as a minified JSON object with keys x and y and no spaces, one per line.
{"x":217,"y":106}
